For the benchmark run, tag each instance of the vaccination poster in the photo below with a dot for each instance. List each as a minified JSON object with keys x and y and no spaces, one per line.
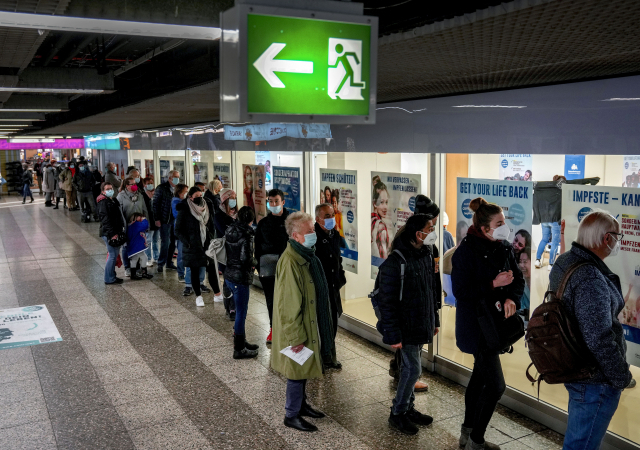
{"x":631,"y":171}
{"x":31,"y":325}
{"x":516,"y":167}
{"x":222,"y":172}
{"x":287,"y":179}
{"x":393,"y":201}
{"x":339,"y":188}
{"x":574,"y":167}
{"x":263,"y":158}
{"x":624,"y":205}
{"x":253,"y":190}
{"x":516,"y":200}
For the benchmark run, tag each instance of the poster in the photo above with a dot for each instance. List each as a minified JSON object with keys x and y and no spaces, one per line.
{"x":287,"y":179}
{"x":624,"y":205}
{"x":516,"y":167}
{"x":574,"y":167}
{"x":272,"y":131}
{"x":31,"y":325}
{"x":263,"y":158}
{"x":195,"y":156}
{"x":339,"y":188}
{"x":516,"y":200}
{"x":393,"y":202}
{"x":222,"y":172}
{"x":253,"y":190}
{"x":631,"y":171}
{"x":148,"y":168}
{"x":164,"y":170}
{"x":201,"y":172}
{"x":179,"y":166}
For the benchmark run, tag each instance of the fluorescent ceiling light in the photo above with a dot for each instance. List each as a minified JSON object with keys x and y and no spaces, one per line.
{"x":51,"y":90}
{"x":615,"y":99}
{"x":29,"y":141}
{"x":20,"y":120}
{"x":488,"y":106}
{"x":31,"y":110}
{"x":12,"y":125}
{"x":10,"y":129}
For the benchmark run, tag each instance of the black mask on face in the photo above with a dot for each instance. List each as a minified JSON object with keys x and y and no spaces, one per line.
{"x":198,"y":201}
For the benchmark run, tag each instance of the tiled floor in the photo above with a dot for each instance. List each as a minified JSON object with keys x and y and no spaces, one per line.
{"x":141,"y":367}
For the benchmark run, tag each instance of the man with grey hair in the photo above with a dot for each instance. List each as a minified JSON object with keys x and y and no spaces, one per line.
{"x":593,"y":298}
{"x":112,"y":177}
{"x":300,"y":318}
{"x":164,"y":218}
{"x":328,"y":252}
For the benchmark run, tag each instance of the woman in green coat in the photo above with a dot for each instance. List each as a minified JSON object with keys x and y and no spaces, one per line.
{"x":301,"y":317}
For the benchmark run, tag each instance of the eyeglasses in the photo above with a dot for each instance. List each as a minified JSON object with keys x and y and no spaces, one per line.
{"x":615,"y":235}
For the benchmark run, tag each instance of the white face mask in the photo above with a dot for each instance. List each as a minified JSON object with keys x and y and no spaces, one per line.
{"x":615,"y":249}
{"x":431,"y":238}
{"x":502,"y":232}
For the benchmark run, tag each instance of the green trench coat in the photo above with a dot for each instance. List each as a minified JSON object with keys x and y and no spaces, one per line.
{"x":294,"y":317}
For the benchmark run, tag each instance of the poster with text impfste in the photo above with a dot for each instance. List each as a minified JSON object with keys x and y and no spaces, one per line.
{"x":339,"y":189}
{"x":393,"y":201}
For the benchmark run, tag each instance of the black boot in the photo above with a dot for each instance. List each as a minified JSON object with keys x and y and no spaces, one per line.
{"x":250,"y":346}
{"x":57,"y":203}
{"x":308,"y":411}
{"x":134,"y":275}
{"x":239,"y":350}
{"x":144,"y":274}
{"x":402,"y":423}
{"x":299,"y":424}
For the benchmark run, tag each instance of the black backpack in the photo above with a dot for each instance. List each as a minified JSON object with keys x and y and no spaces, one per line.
{"x":556,"y":347}
{"x":376,"y":289}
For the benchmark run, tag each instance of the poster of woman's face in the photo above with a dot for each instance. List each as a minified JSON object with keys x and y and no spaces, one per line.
{"x":248,"y":178}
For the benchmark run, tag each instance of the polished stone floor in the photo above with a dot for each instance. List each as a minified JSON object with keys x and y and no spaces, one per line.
{"x":141,"y":367}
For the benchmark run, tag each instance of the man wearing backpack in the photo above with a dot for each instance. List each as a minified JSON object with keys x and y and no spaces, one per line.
{"x":593,"y":298}
{"x":406,"y":298}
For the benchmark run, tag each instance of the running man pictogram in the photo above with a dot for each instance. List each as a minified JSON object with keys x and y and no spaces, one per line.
{"x":345,"y":69}
{"x":344,"y":59}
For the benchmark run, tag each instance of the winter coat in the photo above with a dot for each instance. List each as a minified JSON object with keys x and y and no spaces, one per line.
{"x":240,"y":260}
{"x":132,"y":203}
{"x":222,"y":222}
{"x":27,"y":177}
{"x":547,"y":199}
{"x":137,"y":237}
{"x":97,"y":187}
{"x":328,"y":252}
{"x":294,"y":317}
{"x":476,"y":263}
{"x":271,"y":235}
{"x":593,"y":297}
{"x":174,"y":203}
{"x":59,"y":190}
{"x":84,"y":181}
{"x":162,"y":203}
{"x":110,"y":214}
{"x":112,"y":178}
{"x":66,"y":179}
{"x":414,"y":319}
{"x":48,"y":179}
{"x":149,"y":206}
{"x":215,"y":202}
{"x":187,"y":229}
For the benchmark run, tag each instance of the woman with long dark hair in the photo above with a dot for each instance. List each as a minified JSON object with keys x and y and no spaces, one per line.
{"x":486,"y":281}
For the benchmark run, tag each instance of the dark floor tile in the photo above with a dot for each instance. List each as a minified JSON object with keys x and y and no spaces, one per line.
{"x":97,"y":429}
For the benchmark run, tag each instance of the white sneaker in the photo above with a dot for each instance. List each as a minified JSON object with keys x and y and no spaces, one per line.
{"x":550,"y":267}
{"x":150,"y":263}
{"x":199,"y":301}
{"x":218,"y":298}
{"x":538,"y":264}
{"x":127,"y":273}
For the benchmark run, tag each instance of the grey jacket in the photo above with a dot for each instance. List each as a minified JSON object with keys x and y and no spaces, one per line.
{"x":594,"y":298}
{"x":48,"y":179}
{"x":128,"y":206}
{"x":112,"y":178}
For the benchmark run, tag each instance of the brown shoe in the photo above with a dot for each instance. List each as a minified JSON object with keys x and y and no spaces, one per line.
{"x":421,"y":387}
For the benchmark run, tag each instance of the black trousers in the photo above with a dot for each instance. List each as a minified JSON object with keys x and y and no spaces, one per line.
{"x":268,"y":286}
{"x":212,"y":273}
{"x":172,"y":249}
{"x":485,"y":388}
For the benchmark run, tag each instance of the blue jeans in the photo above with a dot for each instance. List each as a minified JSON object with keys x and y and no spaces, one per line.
{"x":153,"y":251}
{"x":180,"y":265}
{"x":410,"y":372}
{"x":549,"y":230}
{"x":187,"y":276}
{"x":110,"y":268}
{"x":165,"y":237}
{"x":295,"y":397}
{"x":591,"y":407}
{"x":241,"y":297}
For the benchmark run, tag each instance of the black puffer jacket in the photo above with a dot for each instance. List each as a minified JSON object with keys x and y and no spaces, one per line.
{"x":148,"y":202}
{"x":223,"y":221}
{"x":84,"y":181}
{"x":271,"y":236}
{"x":162,"y":203}
{"x":476,"y":263}
{"x":187,"y":229}
{"x":328,"y":252}
{"x":111,"y":220}
{"x":414,"y":319}
{"x":214,"y":205}
{"x":240,"y":260}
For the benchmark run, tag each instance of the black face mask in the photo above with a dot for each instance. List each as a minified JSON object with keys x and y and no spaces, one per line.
{"x":198,"y":201}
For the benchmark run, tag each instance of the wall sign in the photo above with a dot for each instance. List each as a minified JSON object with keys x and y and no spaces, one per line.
{"x":287,"y":179}
{"x":516,"y":167}
{"x":574,"y":167}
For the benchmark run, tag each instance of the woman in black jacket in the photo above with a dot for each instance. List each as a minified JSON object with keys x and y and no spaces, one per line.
{"x":238,"y":276}
{"x":484,"y":270}
{"x":229,"y":208}
{"x":111,"y":224}
{"x":195,"y":229}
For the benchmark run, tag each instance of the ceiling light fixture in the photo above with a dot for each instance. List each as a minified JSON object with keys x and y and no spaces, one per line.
{"x":12,"y":125}
{"x":31,"y":110}
{"x":52,"y":90}
{"x":20,"y":120}
{"x":10,"y":129}
{"x":489,"y":106}
{"x":616,"y":99}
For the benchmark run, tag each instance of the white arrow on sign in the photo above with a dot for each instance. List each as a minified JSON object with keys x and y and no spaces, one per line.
{"x":267,"y":65}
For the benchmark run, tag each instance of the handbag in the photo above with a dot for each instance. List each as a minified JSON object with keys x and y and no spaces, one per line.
{"x":499,"y":334}
{"x":119,"y":240}
{"x":217,"y":250}
{"x":268,"y":264}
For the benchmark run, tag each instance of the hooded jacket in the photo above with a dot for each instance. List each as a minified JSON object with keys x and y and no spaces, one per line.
{"x":48,"y":179}
{"x":187,"y":229}
{"x":66,"y":179}
{"x":239,"y":247}
{"x":132,"y":203}
{"x":475,"y":264}
{"x":137,"y":237}
{"x":110,"y":215}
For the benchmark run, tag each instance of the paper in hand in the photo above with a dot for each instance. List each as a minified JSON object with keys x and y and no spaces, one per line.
{"x":300,"y":357}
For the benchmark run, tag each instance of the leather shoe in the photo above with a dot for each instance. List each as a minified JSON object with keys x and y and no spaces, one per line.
{"x":420,"y":387}
{"x":333,"y":365}
{"x":299,"y":424}
{"x":308,"y":411}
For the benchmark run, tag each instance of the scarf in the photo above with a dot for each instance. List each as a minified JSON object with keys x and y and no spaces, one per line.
{"x":201,"y":213}
{"x":325,"y":326}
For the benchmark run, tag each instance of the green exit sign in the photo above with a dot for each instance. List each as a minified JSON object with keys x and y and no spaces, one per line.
{"x":289,"y":65}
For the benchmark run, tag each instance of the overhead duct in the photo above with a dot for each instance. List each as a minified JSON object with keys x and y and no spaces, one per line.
{"x":155,"y":52}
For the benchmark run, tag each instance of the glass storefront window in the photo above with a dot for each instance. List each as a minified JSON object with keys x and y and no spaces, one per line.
{"x":206,"y":165}
{"x":172,"y":160}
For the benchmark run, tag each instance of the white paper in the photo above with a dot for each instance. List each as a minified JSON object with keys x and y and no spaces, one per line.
{"x":300,"y":357}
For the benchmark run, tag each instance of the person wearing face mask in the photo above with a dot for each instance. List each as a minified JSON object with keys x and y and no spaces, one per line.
{"x":66,"y":183}
{"x":229,"y":208}
{"x":328,"y":252}
{"x":164,"y":218}
{"x":484,"y":269}
{"x":48,"y":183}
{"x":179,"y":194}
{"x":213,"y":194}
{"x":271,"y":242}
{"x":111,"y":224}
{"x":131,"y":202}
{"x":407,"y":298}
{"x":60,"y":193}
{"x":83,"y":181}
{"x":593,"y":297}
{"x":153,"y":235}
{"x":301,"y":318}
{"x":135,"y":174}
{"x":112,"y":177}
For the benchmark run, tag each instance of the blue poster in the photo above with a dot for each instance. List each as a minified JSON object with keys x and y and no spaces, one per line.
{"x":574,"y":167}
{"x":287,"y":179}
